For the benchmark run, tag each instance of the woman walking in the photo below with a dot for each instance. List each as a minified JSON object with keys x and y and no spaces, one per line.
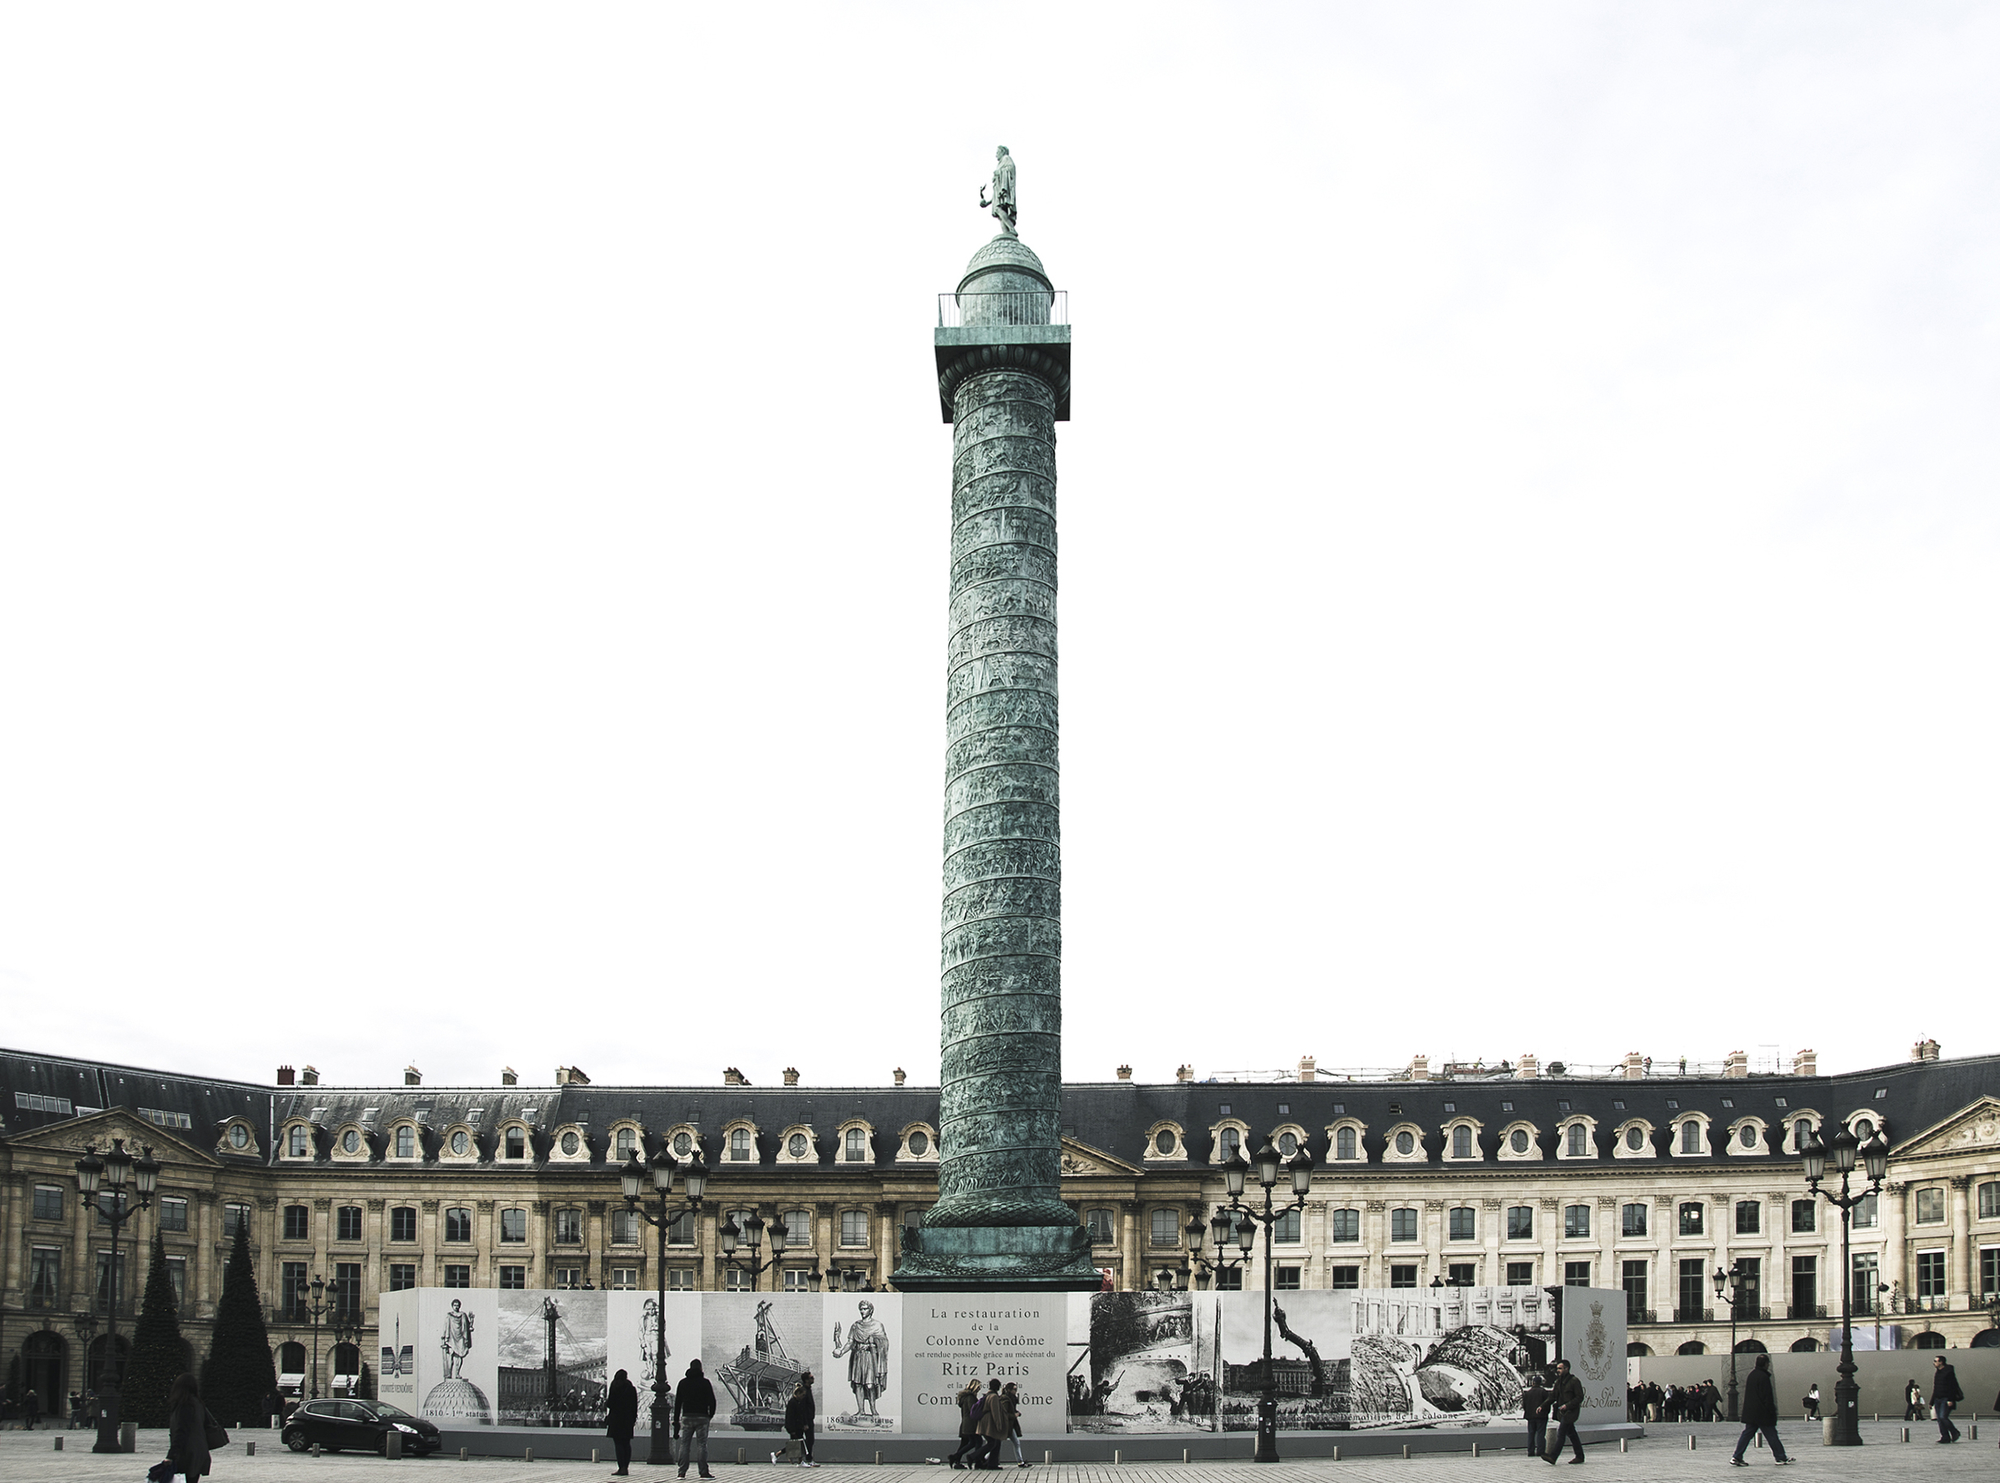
{"x":187,"y":1431}
{"x":621,"y":1414}
{"x":968,"y":1438}
{"x":799,"y":1415}
{"x":1010,"y":1395}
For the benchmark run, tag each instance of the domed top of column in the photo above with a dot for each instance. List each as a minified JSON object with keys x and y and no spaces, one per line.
{"x":1004,"y":265}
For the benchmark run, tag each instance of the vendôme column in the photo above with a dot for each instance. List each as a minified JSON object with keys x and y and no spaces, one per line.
{"x":1003,"y":383}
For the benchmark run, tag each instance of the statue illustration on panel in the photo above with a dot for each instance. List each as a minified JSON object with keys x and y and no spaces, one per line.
{"x":455,"y":1399}
{"x":1002,"y":205}
{"x":866,"y":1350}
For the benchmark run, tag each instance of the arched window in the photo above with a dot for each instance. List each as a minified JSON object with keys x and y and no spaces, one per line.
{"x":291,"y":1358}
{"x":1165,"y":1143}
{"x":1690,"y":1136}
{"x":1406,"y":1143}
{"x":1576,"y":1140}
{"x":1518,"y":1140}
{"x":1804,"y":1346}
{"x":1343,"y":1144}
{"x":406,"y":1142}
{"x":857,"y":1146}
{"x":1285,"y":1230}
{"x":1747,"y":1135}
{"x":517,"y":1143}
{"x":1693,"y":1346}
{"x":1928,"y":1341}
{"x":739,"y":1145}
{"x":1345,"y":1224}
{"x":626,"y":1143}
{"x":1461,"y":1142}
{"x":1464,"y":1223}
{"x":798,"y":1227}
{"x":1231,"y":1142}
{"x":295,"y":1141}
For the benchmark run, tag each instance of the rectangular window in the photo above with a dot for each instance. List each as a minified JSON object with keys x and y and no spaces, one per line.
{"x":625,"y":1228}
{"x":1930,"y":1274}
{"x":1749,"y":1287}
{"x":173,"y":1213}
{"x":795,"y":1280}
{"x":347,"y":1223}
{"x":1402,"y":1275}
{"x":1166,"y":1228}
{"x":1749,"y":1217}
{"x":1346,"y":1224}
{"x":1285,"y":1229}
{"x":569,"y":1227}
{"x":1989,"y":1200}
{"x":854,"y":1227}
{"x":291,"y":1302}
{"x":1989,"y":1271}
{"x":1633,"y":1220}
{"x":514,"y":1279}
{"x":403,"y":1223}
{"x":345,"y":1294}
{"x":1349,"y":1278}
{"x":1576,"y":1274}
{"x":1576,"y":1222}
{"x":680,"y":1279}
{"x":48,"y":1202}
{"x":1805,"y":1217}
{"x":402,"y":1276}
{"x":458,"y":1224}
{"x":624,"y":1279}
{"x":680,"y":1230}
{"x":295,"y":1141}
{"x":1464,"y":1223}
{"x":1099,"y":1222}
{"x":1633,"y":1277}
{"x":1520,"y":1222}
{"x":1930,"y":1207}
{"x":517,"y":1144}
{"x":177,"y":1278}
{"x":1520,"y":1274}
{"x":1805,"y":1287}
{"x":1690,"y":1219}
{"x":566,"y":1277}
{"x":1229,"y":1279}
{"x":298,"y":1223}
{"x":1863,"y":1282}
{"x":1285,"y":1279}
{"x":513,"y":1228}
{"x":457,"y":1274}
{"x":1462,"y":1274}
{"x":1694,"y":1290}
{"x":45,"y":1277}
{"x":799,"y":1225}
{"x":1403,"y":1225}
{"x":1867,"y":1212}
{"x":739,"y":1145}
{"x":735,"y":1279}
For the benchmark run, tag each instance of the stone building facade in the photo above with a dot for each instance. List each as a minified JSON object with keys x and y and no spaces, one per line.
{"x":1625,"y":1177}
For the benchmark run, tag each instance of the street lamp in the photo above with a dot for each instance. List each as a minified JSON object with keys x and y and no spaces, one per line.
{"x":110,"y":1173}
{"x":752,"y":1232}
{"x":1729,"y":1287}
{"x":316,"y":1307}
{"x":1846,"y":1429}
{"x":656,"y":1177}
{"x":1268,"y":1162}
{"x":1224,"y":1229}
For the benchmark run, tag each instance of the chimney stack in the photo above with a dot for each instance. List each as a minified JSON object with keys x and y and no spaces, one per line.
{"x":1635,"y":1066}
{"x":1184,"y":1073}
{"x":571,"y":1076}
{"x":1805,"y":1063}
{"x":1308,"y":1068}
{"x":1736,"y":1063}
{"x":1420,"y":1068}
{"x":412,"y":1077}
{"x":900,"y":1075}
{"x":509,"y":1076}
{"x":285,"y":1078}
{"x":731,"y":1077}
{"x":1924,"y":1050}
{"x":1527,"y":1068}
{"x":791,"y":1076}
{"x":309,"y":1077}
{"x":1124,"y":1073}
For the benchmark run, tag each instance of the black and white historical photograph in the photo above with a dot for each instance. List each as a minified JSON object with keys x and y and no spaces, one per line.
{"x":1137,"y":1369}
{"x":1458,"y":1356}
{"x":1309,"y":1339}
{"x":755,"y":1349}
{"x":553,"y":1348}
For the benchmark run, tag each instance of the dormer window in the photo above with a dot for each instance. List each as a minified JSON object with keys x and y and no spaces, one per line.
{"x":739,"y":1145}
{"x":517,"y":1143}
{"x":1461,"y":1142}
{"x":627,"y":1141}
{"x":1576,"y":1140}
{"x":406,"y":1142}
{"x":1231,"y":1142}
{"x":855,"y":1149}
{"x":296,"y":1145}
{"x":682,"y":1143}
{"x":798,"y":1145}
{"x":1690,"y":1136}
{"x":1166,"y":1142}
{"x":1344,"y":1144}
{"x":1288,"y":1144}
{"x":350,"y":1141}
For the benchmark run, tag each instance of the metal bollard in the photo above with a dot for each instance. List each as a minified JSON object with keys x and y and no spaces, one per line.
{"x":1690,"y":1441}
{"x":878,"y":1459}
{"x":315,"y":1449}
{"x":1906,"y":1434}
{"x":1975,"y":1431}
{"x":1048,"y":1458}
{"x":1117,"y":1456}
{"x":741,"y":1459}
{"x":277,"y":1423}
{"x":1475,"y":1449}
{"x":593,"y":1454}
{"x":128,"y":1437}
{"x":59,"y":1445}
{"x":1621,"y":1444}
{"x":249,"y":1449}
{"x":527,"y":1454}
{"x":1184,"y":1454}
{"x":465,"y":1454}
{"x":1336,"y":1452}
{"x":1760,"y":1441}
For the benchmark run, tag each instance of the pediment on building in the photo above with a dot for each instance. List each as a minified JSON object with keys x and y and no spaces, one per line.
{"x":1080,"y":1160}
{"x":99,"y":1128}
{"x":1970,"y":1129}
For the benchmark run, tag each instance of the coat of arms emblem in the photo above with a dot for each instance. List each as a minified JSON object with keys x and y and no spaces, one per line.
{"x":1594,"y":1337}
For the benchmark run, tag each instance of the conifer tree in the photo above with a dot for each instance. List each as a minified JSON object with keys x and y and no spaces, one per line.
{"x":158,"y":1356}
{"x":237,"y":1379}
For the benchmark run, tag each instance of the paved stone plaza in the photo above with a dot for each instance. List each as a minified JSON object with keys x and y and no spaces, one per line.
{"x":1663,"y":1457}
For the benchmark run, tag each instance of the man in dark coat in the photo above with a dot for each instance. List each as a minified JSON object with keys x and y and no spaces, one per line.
{"x":621,"y":1415}
{"x":1535,"y":1408}
{"x":1760,"y":1413}
{"x":1565,"y":1404}
{"x":1944,"y":1395}
{"x":694,"y":1408}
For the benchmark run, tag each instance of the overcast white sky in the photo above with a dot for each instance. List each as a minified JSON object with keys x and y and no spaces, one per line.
{"x":473,"y":527}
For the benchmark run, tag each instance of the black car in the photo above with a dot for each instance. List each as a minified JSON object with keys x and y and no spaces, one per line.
{"x":358,"y":1426}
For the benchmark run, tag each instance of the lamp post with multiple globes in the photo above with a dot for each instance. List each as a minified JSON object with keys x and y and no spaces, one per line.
{"x":1225,"y":1229}
{"x":1729,"y":1287}
{"x":751,"y":1233}
{"x":656,"y":1177}
{"x":312,"y":1298}
{"x":1268,"y":1161}
{"x":109,"y":1172}
{"x":1874,"y":1155}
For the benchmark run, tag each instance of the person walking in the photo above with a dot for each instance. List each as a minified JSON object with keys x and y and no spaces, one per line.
{"x":1760,"y":1413}
{"x":1565,"y":1404}
{"x":187,"y":1432}
{"x":1812,"y":1402}
{"x":31,"y":1410}
{"x":1535,"y":1408}
{"x":990,"y":1422}
{"x":799,"y":1415}
{"x":694,"y":1408}
{"x":1913,"y":1400}
{"x":1944,"y":1395}
{"x":621,"y":1416}
{"x":1010,"y":1393}
{"x":968,"y":1437}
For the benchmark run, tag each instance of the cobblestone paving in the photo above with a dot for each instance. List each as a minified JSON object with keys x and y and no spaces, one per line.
{"x":1662,"y":1457}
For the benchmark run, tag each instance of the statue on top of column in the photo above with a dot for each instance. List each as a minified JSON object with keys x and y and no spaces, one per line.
{"x":1002,"y":205}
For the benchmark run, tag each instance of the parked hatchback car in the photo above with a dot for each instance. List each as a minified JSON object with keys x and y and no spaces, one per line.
{"x":358,"y":1426}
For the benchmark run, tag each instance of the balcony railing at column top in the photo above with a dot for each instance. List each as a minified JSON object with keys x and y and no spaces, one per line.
{"x":1029,"y":306}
